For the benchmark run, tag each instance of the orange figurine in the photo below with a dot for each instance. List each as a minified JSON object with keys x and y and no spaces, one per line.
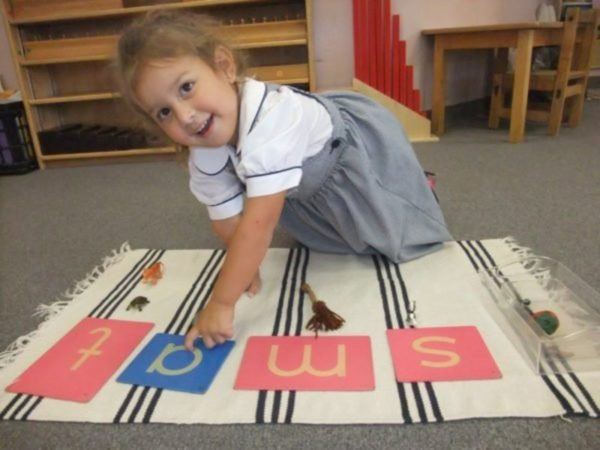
{"x":152,"y":274}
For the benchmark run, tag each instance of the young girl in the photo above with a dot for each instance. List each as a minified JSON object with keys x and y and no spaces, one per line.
{"x":335,"y":169}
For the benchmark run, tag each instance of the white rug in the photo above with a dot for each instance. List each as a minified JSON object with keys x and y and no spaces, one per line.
{"x":369,"y":292}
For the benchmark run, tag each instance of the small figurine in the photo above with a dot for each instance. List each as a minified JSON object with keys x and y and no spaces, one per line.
{"x":412,"y":315}
{"x":547,"y":320}
{"x":152,"y":274}
{"x":138,"y":303}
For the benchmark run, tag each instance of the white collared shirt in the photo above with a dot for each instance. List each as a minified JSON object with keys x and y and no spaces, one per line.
{"x":278,"y":130}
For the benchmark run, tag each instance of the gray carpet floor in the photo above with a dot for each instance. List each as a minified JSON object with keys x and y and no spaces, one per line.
{"x":55,"y":225}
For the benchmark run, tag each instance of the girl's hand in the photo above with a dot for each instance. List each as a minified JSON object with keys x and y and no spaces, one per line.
{"x":214,"y":324}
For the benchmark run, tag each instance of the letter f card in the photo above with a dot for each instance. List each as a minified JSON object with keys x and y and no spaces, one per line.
{"x":79,"y":364}
{"x":166,"y":363}
{"x":441,"y":354}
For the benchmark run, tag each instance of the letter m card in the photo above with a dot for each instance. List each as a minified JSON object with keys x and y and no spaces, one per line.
{"x":81,"y":362}
{"x":441,"y":354}
{"x":306,"y":363}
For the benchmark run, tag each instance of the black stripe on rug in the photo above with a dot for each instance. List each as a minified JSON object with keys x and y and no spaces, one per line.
{"x":208,"y":273}
{"x":19,"y":406}
{"x":31,"y":408}
{"x":299,"y":325}
{"x":289,"y":397}
{"x":408,"y":306}
{"x":578,"y":385}
{"x":188,"y":298}
{"x":566,"y":405}
{"x":395,"y":307}
{"x":22,"y":405}
{"x":398,"y":285}
{"x":404,"y":409}
{"x":10,"y":405}
{"x":290,"y":287}
{"x":203,"y":296}
{"x":262,"y":394}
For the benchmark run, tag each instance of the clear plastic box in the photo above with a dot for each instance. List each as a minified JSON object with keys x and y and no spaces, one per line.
{"x":529,"y":288}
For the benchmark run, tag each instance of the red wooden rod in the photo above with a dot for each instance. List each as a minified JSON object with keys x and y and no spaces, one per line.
{"x":395,"y":57}
{"x":378,"y":44}
{"x":403,"y":72}
{"x":387,"y":39}
{"x":372,"y":44}
{"x":356,"y":37}
{"x":408,"y":86}
{"x":417,"y":100}
{"x":362,"y":37}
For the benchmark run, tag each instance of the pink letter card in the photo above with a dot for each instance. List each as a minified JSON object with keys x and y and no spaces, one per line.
{"x":79,"y":364}
{"x":441,"y":354}
{"x":306,"y":363}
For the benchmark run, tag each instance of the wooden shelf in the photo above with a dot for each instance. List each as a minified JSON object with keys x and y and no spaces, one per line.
{"x":267,"y":34}
{"x":111,"y":153}
{"x":283,"y":74}
{"x":74,"y":98}
{"x":46,"y":14}
{"x":100,"y":48}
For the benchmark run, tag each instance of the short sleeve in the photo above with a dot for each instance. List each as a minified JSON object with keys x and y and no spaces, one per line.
{"x":272,"y":152}
{"x":213,"y":181}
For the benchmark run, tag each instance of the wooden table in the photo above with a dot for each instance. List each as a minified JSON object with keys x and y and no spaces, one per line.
{"x":522,"y":36}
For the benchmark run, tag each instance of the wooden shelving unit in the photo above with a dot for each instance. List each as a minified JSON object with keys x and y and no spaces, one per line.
{"x":62,"y":49}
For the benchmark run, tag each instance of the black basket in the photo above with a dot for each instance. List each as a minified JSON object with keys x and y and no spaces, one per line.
{"x":16,"y":150}
{"x":81,"y":138}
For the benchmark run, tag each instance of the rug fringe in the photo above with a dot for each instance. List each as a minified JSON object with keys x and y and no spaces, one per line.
{"x":49,"y":311}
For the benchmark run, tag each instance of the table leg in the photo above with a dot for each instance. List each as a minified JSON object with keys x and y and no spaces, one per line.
{"x":497,"y":101}
{"x":439,"y":89}
{"x":518,"y":110}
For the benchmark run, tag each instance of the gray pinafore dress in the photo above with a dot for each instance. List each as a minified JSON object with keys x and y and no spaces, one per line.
{"x":365,"y":192}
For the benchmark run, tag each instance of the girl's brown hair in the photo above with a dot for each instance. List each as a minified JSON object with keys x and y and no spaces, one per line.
{"x":168,"y":34}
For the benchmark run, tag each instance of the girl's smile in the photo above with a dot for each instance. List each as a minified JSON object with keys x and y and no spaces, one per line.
{"x":194,"y":104}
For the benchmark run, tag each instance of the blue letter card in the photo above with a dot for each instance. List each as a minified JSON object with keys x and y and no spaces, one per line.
{"x":166,"y":363}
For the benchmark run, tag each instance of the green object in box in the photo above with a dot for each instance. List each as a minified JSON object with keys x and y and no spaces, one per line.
{"x":547,"y":320}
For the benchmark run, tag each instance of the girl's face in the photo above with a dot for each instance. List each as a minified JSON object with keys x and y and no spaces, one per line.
{"x":192,"y":103}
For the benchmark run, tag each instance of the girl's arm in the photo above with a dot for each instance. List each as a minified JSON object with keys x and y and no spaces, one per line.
{"x":246,"y":250}
{"x":225,"y":229}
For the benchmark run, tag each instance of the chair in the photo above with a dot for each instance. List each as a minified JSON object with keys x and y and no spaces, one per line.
{"x":567,"y":82}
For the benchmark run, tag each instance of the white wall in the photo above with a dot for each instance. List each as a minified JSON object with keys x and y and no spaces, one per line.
{"x":7,"y":69}
{"x":467,"y":72}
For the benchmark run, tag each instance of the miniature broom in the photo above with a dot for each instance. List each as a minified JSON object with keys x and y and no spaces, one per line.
{"x":324,"y":319}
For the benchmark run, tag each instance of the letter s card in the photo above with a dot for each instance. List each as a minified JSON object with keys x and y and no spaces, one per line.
{"x":441,"y":354}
